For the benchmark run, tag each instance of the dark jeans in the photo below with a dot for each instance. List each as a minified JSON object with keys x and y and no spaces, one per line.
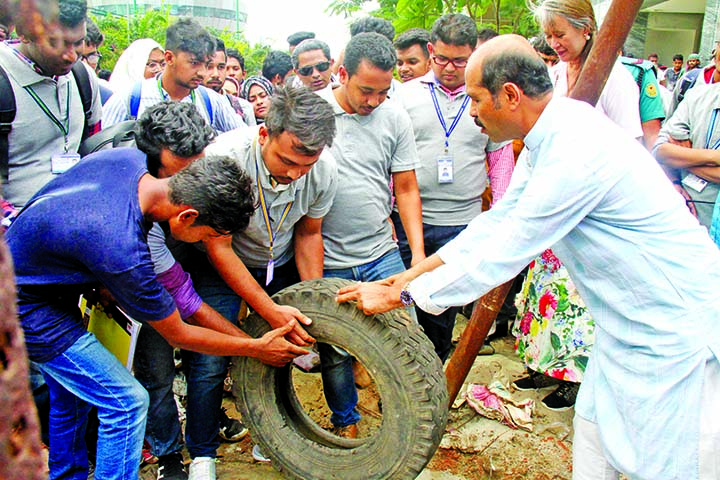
{"x":438,"y":328}
{"x":155,"y":367}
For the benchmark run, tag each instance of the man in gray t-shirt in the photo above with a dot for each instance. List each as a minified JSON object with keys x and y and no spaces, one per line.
{"x":373,"y":145}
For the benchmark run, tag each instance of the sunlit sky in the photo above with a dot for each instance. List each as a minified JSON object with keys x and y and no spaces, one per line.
{"x":271,"y":21}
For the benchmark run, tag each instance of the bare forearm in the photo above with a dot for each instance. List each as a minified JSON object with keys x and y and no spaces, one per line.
{"x":208,"y":317}
{"x":681,"y":157}
{"x":711,"y":174}
{"x":309,"y":256}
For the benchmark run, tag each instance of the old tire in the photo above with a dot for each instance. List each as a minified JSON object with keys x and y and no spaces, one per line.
{"x":406,"y":371}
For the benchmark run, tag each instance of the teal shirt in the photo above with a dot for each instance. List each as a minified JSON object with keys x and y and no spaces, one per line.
{"x":651,"y":105}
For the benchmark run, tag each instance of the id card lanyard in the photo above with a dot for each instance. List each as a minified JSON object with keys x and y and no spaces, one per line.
{"x":448,"y":131}
{"x":711,"y":130}
{"x":266,"y":216}
{"x":64,"y":128}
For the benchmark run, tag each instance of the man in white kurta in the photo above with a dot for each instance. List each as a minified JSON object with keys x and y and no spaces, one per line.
{"x":647,"y":271}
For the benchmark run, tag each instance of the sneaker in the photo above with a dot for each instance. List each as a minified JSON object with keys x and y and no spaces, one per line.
{"x":171,"y":467}
{"x":202,"y":468}
{"x":534,"y":381}
{"x":348,"y":431}
{"x":231,"y":430}
{"x":563,"y":398}
{"x":258,"y":455}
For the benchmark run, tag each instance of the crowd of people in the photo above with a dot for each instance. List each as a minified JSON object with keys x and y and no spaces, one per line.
{"x":374,"y":165}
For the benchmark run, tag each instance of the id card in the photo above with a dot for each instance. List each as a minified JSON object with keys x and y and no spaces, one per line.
{"x":445,"y":169}
{"x":62,"y":162}
{"x":694,"y":182}
{"x":269,"y":272}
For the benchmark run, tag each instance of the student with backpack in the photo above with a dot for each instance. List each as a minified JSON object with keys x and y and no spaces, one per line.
{"x":188,"y":49}
{"x":49,"y":104}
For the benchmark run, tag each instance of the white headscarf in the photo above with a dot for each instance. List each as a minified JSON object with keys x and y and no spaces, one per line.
{"x":130,"y":67}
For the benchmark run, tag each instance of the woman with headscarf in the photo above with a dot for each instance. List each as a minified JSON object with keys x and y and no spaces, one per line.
{"x":554,"y":329}
{"x":257,"y":90}
{"x":143,"y":58}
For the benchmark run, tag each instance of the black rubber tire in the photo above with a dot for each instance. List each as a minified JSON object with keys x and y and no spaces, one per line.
{"x":408,"y":375}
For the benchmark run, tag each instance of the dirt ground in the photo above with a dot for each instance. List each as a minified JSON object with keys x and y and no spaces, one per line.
{"x":473,"y":447}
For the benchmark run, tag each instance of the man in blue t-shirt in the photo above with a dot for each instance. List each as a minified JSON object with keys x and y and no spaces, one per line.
{"x":60,"y":253}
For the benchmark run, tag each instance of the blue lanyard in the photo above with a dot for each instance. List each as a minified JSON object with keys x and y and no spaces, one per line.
{"x":711,"y":130}
{"x":447,"y":131}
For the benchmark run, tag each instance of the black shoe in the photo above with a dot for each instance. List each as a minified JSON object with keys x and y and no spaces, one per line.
{"x":231,"y":430}
{"x":171,"y":467}
{"x":563,"y":398}
{"x":535,"y":380}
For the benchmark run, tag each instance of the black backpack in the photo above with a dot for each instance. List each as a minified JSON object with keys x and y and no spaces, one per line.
{"x":8,"y":109}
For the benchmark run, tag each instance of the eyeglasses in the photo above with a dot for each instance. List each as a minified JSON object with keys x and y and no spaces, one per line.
{"x":152,"y":65}
{"x":308,"y":70}
{"x":457,"y":62}
{"x":93,"y":57}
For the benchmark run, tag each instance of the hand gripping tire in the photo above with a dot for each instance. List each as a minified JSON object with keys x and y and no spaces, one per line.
{"x":406,"y":371}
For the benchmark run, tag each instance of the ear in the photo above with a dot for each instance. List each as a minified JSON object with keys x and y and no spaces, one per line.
{"x":512,"y":94}
{"x":169,"y":57}
{"x":342,"y":74}
{"x":430,"y":48}
{"x":187,"y":217}
{"x":263,"y":135}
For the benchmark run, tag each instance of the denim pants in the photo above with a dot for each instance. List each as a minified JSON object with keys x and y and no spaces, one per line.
{"x":337,"y":374}
{"x":155,"y":367}
{"x":83,"y":376}
{"x":438,"y":328}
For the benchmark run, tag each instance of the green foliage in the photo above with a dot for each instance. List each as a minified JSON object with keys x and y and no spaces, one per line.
{"x":121,"y":31}
{"x":505,"y":16}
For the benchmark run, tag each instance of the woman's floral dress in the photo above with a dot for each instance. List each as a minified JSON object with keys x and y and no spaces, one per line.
{"x":553,"y":328}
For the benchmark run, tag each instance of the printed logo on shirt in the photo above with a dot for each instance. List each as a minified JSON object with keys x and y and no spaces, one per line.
{"x":650,"y":90}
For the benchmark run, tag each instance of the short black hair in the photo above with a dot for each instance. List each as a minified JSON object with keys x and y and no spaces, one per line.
{"x":678,"y":56}
{"x":308,"y":46}
{"x":524,"y":69}
{"x":104,"y":73}
{"x":297,"y":37}
{"x":540,"y":45}
{"x":373,"y":24}
{"x":276,"y":63}
{"x":219,"y":189}
{"x":234,"y":53}
{"x":186,"y":35}
{"x":93,"y":35}
{"x":372,"y":47}
{"x":414,"y":36}
{"x":219,"y":44}
{"x":486,"y":34}
{"x":306,"y":115}
{"x":72,"y":12}
{"x":455,"y":29}
{"x":177,"y":126}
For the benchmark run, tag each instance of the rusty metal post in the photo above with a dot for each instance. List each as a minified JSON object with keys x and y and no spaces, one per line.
{"x":483,"y":315}
{"x":590,"y":83}
{"x":604,"y":52}
{"x":20,"y":451}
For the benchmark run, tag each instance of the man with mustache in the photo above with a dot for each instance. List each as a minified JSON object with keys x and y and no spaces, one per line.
{"x":217,"y":72}
{"x":188,"y":50}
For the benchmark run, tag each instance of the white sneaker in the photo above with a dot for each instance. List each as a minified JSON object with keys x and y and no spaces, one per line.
{"x":202,"y":468}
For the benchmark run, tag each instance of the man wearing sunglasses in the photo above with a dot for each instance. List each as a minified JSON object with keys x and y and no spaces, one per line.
{"x":312,"y":63}
{"x":453,"y":153}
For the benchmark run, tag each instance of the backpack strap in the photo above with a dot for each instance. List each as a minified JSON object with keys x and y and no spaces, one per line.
{"x":208,"y":104}
{"x":135,"y":96}
{"x":7,"y":115}
{"x":82,"y":79}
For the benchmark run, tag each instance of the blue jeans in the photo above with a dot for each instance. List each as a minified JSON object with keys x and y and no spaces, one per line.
{"x":83,"y":376}
{"x":438,"y":328}
{"x":337,"y":374}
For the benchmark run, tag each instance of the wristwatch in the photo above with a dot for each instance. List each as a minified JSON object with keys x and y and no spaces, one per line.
{"x":406,"y":298}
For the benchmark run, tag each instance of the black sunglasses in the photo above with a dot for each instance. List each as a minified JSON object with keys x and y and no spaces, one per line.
{"x":308,"y":70}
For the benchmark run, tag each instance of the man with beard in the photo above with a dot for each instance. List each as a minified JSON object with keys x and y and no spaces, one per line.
{"x":217,"y":71}
{"x":188,"y":49}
